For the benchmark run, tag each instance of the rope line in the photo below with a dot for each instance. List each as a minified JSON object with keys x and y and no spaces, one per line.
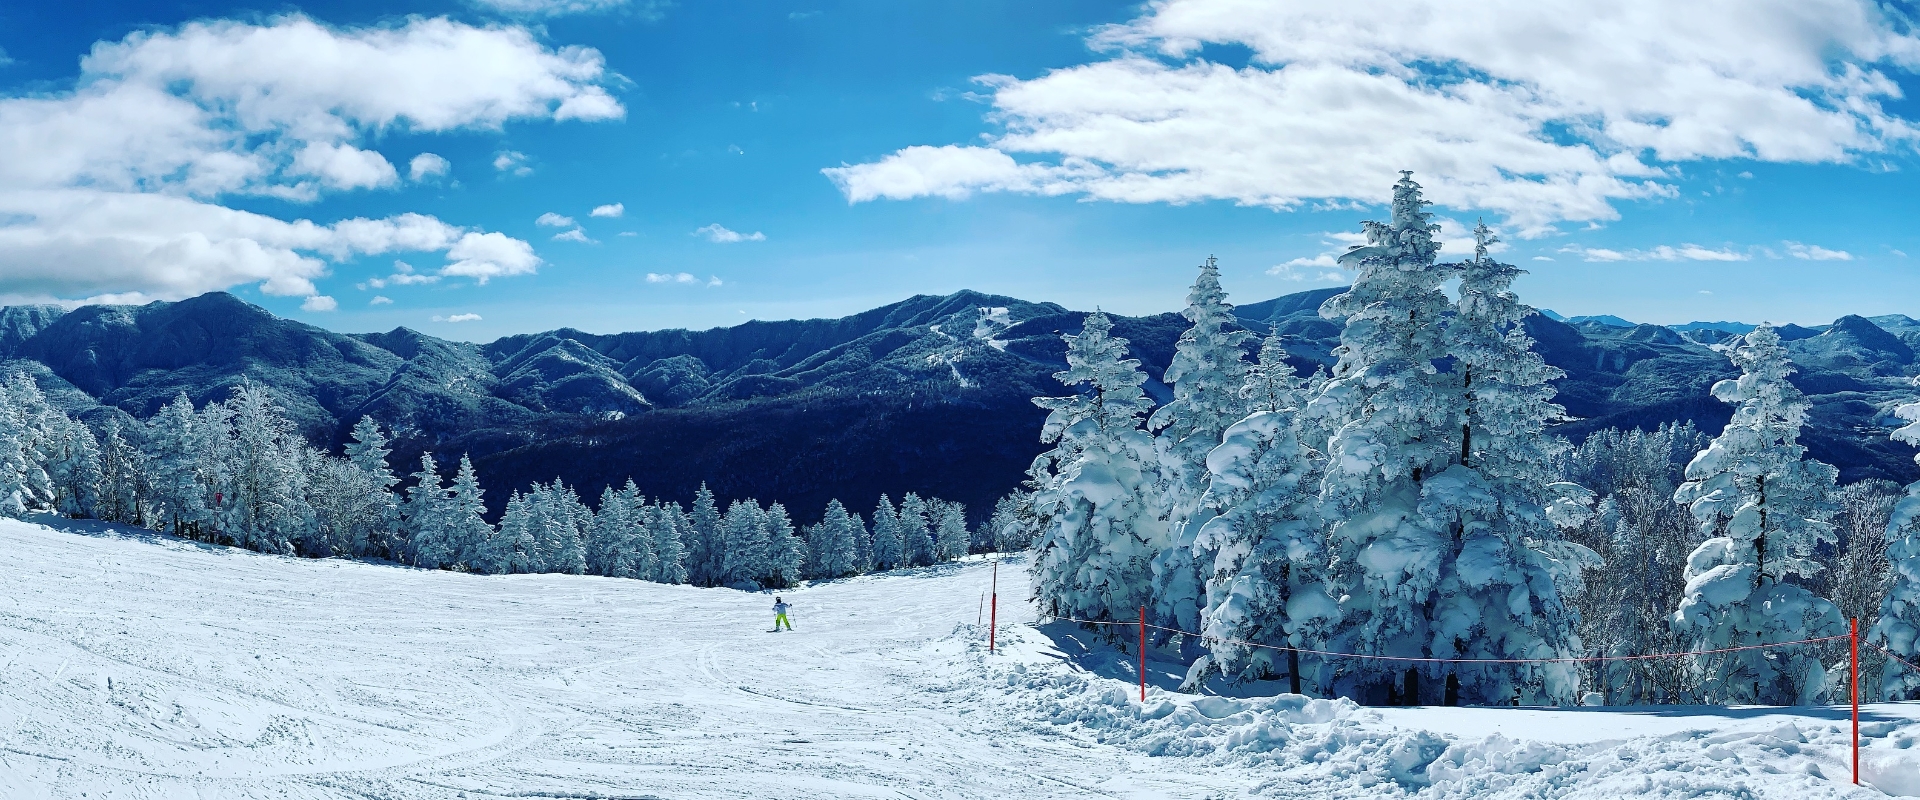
{"x":1894,"y":657}
{"x":1570,"y":659}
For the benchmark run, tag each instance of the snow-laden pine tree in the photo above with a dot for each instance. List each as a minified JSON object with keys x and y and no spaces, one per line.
{"x":831,"y":543}
{"x":1393,"y":422}
{"x":36,"y":425}
{"x":123,"y":476}
{"x":785,"y":550}
{"x":862,"y":544}
{"x":607,"y":537}
{"x":916,"y":531}
{"x":1099,"y":529}
{"x":16,"y":495}
{"x":1763,"y":507}
{"x":368,"y":450}
{"x":174,"y":444}
{"x":951,"y":539}
{"x":267,"y":509}
{"x":1208,"y":369}
{"x":216,"y":460}
{"x":642,"y":560}
{"x":513,"y":548}
{"x":1898,"y":628}
{"x":705,"y":540}
{"x":1502,"y":595}
{"x":346,"y":506}
{"x":746,"y":544}
{"x":888,"y":548}
{"x":1262,"y":545}
{"x":667,"y":533}
{"x":73,"y":465}
{"x":428,"y":540}
{"x":560,"y":523}
{"x":463,"y":517}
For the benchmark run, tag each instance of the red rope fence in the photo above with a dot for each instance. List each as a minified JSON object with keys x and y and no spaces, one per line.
{"x":1852,"y":635}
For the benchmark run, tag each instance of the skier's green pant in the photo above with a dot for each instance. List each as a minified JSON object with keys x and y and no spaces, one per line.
{"x":781,"y":619}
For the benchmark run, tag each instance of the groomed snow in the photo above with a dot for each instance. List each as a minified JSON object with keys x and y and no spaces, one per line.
{"x":135,"y":666}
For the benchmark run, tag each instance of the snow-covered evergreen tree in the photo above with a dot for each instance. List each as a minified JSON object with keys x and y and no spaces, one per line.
{"x":73,"y":466}
{"x":642,"y":560}
{"x":951,"y":539}
{"x":746,"y":544}
{"x":368,"y":450}
{"x":35,"y":425}
{"x":346,"y":506}
{"x":174,"y":444}
{"x":1265,"y":558}
{"x":1393,"y":422}
{"x":1898,"y":628}
{"x":512,"y":549}
{"x":560,"y":523}
{"x":429,"y":542}
{"x":607,"y":537}
{"x":831,"y":543}
{"x":862,"y":544}
{"x":668,"y":532}
{"x":888,"y":549}
{"x":16,"y":496}
{"x":267,"y":510}
{"x":123,"y":476}
{"x":1099,"y":531}
{"x":1502,"y":595}
{"x":916,"y":531}
{"x":705,"y":540}
{"x":1764,"y":508}
{"x":1208,"y":370}
{"x":785,"y":551}
{"x":1013,"y":524}
{"x":463,"y":517}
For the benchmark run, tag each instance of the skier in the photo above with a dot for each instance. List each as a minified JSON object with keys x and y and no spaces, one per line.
{"x":780,"y":615}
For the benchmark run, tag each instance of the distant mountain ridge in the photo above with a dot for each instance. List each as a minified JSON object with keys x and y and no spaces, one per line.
{"x":930,"y":394}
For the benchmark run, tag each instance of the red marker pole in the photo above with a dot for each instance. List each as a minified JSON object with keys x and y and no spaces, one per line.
{"x":993,"y":616}
{"x":1853,"y":667}
{"x":1143,"y":654}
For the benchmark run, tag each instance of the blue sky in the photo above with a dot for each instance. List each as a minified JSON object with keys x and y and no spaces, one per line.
{"x":1084,"y":153}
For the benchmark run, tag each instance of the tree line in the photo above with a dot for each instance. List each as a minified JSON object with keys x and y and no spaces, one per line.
{"x":237,"y":472}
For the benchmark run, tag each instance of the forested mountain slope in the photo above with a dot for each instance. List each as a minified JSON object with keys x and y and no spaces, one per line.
{"x":930,"y":394}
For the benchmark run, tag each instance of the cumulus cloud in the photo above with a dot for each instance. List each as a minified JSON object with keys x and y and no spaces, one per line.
{"x":125,"y":174}
{"x":403,"y":275}
{"x":1544,"y":110}
{"x":683,"y":277}
{"x":575,"y":235}
{"x":609,"y":210}
{"x":553,"y":220}
{"x":457,"y":318}
{"x":380,"y":300}
{"x":720,"y":235}
{"x":427,"y":165}
{"x":1814,"y":252}
{"x":319,"y":302}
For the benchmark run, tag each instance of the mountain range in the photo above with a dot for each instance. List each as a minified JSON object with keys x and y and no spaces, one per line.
{"x":930,"y":394}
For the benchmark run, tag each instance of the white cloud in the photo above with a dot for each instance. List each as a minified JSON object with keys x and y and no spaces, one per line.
{"x":683,"y":277}
{"x":650,"y":10}
{"x":713,"y":280}
{"x":457,"y":318}
{"x":1685,"y":252}
{"x":1543,"y":258}
{"x":553,"y":220}
{"x":319,"y":302}
{"x":1814,"y":252}
{"x":380,"y":300}
{"x":575,"y":235}
{"x":1706,"y":291}
{"x":512,"y":161}
{"x":720,"y":235}
{"x":403,"y":275}
{"x":1544,"y":110}
{"x":609,"y":210}
{"x":427,"y":165}
{"x":125,"y":174}
{"x":483,"y":256}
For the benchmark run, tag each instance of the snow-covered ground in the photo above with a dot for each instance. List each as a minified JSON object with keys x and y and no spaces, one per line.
{"x":134,"y":666}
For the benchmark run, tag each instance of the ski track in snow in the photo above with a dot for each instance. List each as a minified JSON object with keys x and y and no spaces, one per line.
{"x":139,"y":666}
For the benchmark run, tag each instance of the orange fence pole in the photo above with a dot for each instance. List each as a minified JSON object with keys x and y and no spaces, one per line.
{"x":1853,"y":667}
{"x":993,"y":618}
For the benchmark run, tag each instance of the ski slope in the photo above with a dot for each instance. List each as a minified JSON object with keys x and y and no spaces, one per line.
{"x":138,"y":666}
